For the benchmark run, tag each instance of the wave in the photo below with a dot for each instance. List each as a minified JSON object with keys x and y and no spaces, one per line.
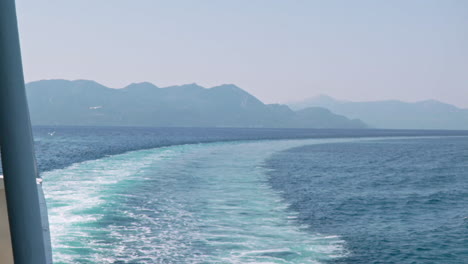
{"x":200,"y":203}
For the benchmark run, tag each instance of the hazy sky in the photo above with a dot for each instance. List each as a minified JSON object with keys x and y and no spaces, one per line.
{"x":279,"y":51}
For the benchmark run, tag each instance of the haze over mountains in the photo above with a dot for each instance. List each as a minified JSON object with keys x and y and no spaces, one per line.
{"x":429,"y":114}
{"x":88,"y":103}
{"x":82,"y":102}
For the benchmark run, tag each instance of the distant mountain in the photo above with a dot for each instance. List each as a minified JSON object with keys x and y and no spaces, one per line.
{"x":429,"y":114}
{"x":82,"y":102}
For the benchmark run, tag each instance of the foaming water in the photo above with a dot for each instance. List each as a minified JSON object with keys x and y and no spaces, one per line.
{"x":77,"y":198}
{"x":205,"y":203}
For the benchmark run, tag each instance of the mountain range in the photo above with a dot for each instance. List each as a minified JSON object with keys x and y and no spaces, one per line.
{"x":88,"y":103}
{"x":394,"y":114}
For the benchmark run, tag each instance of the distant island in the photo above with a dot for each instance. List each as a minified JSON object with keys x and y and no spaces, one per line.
{"x":394,"y":114}
{"x":88,"y":103}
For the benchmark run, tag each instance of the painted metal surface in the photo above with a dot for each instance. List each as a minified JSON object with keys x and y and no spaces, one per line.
{"x":17,"y":147}
{"x":6,"y":253}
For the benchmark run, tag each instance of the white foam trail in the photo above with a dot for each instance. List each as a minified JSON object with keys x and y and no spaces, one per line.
{"x":204,"y":203}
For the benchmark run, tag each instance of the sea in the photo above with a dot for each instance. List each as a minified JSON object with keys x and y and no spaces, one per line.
{"x":232,"y":195}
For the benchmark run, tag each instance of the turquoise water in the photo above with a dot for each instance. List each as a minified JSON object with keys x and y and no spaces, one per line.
{"x":131,"y":195}
{"x":203,"y":203}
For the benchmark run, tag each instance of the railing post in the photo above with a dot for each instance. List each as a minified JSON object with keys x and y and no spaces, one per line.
{"x":17,"y":147}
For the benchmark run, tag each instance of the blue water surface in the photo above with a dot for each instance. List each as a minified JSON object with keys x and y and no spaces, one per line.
{"x":231,"y":195}
{"x":58,"y":147}
{"x":392,"y":201}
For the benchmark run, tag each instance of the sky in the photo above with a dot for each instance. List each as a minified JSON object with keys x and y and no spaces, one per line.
{"x":278,"y":50}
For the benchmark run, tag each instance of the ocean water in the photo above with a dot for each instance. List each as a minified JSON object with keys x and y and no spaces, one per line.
{"x":124,"y":195}
{"x":392,"y":201}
